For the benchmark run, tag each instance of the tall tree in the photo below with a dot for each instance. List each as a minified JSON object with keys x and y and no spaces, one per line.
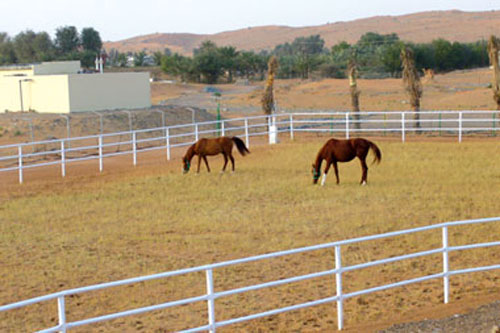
{"x":44,"y":47}
{"x":391,"y":58}
{"x":493,"y":52}
{"x":91,"y":40}
{"x":139,"y":58}
{"x":229,"y":55}
{"x":268,"y":96}
{"x":208,"y":62}
{"x":307,"y":49}
{"x":353,"y":88}
{"x":157,"y":58}
{"x":411,"y":80}
{"x":30,"y":46}
{"x":23,"y":46}
{"x":178,"y":65}
{"x":67,"y":39}
{"x":7,"y":53}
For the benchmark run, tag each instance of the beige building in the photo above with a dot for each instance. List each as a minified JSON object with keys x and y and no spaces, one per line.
{"x":59,"y":87}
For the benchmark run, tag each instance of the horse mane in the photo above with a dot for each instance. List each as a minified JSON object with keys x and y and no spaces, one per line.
{"x":319,"y":159}
{"x":190,"y":153}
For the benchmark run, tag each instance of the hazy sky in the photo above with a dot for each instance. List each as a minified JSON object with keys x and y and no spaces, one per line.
{"x":120,"y":19}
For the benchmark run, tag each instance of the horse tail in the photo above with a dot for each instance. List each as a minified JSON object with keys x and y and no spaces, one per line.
{"x":240,"y":145}
{"x":376,"y":150}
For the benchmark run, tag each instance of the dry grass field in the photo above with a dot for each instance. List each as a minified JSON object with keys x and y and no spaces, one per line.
{"x":57,"y":234}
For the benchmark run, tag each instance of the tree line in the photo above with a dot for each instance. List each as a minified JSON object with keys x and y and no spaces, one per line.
{"x":69,"y":44}
{"x":375,"y":55}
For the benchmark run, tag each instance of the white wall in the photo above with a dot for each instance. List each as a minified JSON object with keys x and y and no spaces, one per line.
{"x":109,"y":91}
{"x":56,"y":67}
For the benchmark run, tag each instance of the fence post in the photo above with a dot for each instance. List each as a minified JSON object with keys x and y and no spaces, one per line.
{"x":222,"y":128}
{"x":338,"y":282}
{"x":347,"y":125}
{"x":100,"y":153}
{"x":196,"y":134}
{"x":210,"y":301}
{"x":460,"y":127}
{"x":446,"y":278}
{"x":291,"y":126}
{"x":134,"y":147}
{"x":63,"y":159}
{"x":247,"y":138}
{"x":61,"y":310}
{"x":20,"y":163}
{"x":167,"y":137}
{"x":403,"y":134}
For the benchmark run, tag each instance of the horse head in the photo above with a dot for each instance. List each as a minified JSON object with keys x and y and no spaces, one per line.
{"x":315,"y":173}
{"x":186,"y":164}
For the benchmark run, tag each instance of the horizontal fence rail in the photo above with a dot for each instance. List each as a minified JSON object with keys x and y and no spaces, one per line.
{"x":20,"y":157}
{"x":211,"y":295}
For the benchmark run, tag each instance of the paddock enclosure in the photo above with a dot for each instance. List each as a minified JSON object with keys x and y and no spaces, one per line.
{"x":62,"y":233}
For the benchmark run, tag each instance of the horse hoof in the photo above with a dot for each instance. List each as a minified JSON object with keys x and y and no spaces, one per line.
{"x":363,"y":183}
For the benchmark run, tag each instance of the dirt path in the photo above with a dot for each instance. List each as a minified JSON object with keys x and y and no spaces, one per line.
{"x":482,"y":319}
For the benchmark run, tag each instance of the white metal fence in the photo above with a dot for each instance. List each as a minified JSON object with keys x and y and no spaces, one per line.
{"x":21,"y":157}
{"x":211,"y":295}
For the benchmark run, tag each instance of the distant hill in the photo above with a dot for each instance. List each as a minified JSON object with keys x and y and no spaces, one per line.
{"x":452,"y":25}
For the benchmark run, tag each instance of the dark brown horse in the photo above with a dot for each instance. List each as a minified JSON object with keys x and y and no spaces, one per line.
{"x":206,"y":147}
{"x":334,"y":151}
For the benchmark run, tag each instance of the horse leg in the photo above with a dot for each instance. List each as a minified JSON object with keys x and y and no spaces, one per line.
{"x":323,"y":179}
{"x":206,"y":163}
{"x":199,"y":162}
{"x":225,"y":163}
{"x":232,"y":160}
{"x":364,"y":168}
{"x":336,"y":169}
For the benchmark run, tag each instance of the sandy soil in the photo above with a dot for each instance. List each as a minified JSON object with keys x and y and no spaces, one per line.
{"x":458,"y":90}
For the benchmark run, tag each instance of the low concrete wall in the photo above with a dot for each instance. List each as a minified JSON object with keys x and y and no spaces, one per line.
{"x":109,"y":91}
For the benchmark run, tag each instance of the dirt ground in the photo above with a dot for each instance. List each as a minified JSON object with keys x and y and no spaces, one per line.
{"x":458,"y":90}
{"x":480,"y":320}
{"x":478,"y":310}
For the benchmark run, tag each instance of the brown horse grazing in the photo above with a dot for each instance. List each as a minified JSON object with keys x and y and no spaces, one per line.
{"x":335,"y":151}
{"x":206,"y":147}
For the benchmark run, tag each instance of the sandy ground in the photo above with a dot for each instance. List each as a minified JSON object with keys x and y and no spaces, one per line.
{"x":458,"y":90}
{"x":471,"y":314}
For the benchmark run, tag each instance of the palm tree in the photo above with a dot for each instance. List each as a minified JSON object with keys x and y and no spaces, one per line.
{"x":268,"y":97}
{"x":493,"y":48}
{"x":411,"y":80}
{"x":353,"y":87}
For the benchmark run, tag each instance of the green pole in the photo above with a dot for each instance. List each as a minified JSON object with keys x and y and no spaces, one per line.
{"x":217,"y":125}
{"x":218,"y":119}
{"x":440,"y":133}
